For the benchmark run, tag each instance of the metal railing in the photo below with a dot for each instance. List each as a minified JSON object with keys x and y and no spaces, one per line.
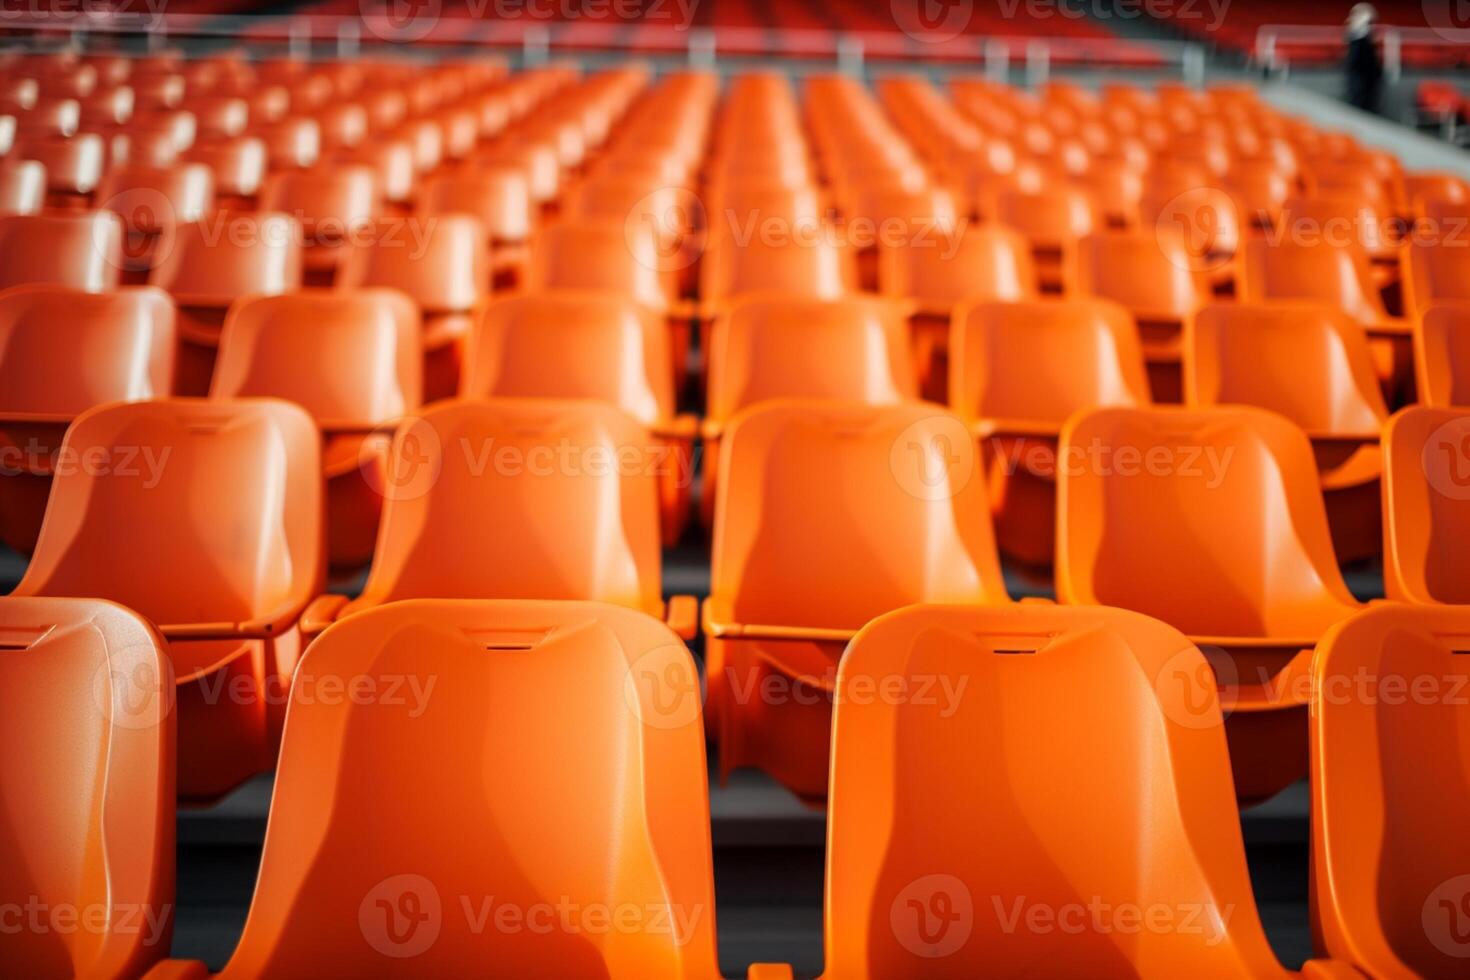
{"x":306,"y":34}
{"x":1270,"y":39}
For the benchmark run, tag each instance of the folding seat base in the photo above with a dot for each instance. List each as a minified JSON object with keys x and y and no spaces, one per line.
{"x":199,"y":330}
{"x":354,"y":503}
{"x":1355,"y":516}
{"x":226,"y":732}
{"x":22,"y":506}
{"x":1023,"y":504}
{"x":1264,"y":693}
{"x":766,"y":717}
{"x":930,"y":335}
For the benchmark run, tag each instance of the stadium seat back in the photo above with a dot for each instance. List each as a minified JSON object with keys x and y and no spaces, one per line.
{"x":1228,"y":503}
{"x":351,"y":359}
{"x":22,"y":187}
{"x":152,"y":199}
{"x":1436,"y":272}
{"x":82,"y":250}
{"x":1390,"y":788}
{"x":90,"y":803}
{"x":1426,"y":505}
{"x":946,"y":829}
{"x":214,"y":262}
{"x":188,"y":511}
{"x":1308,"y":362}
{"x":577,"y":786}
{"x":1335,"y":274}
{"x":63,"y":351}
{"x":823,"y":504}
{"x":329,"y":203}
{"x":572,"y":345}
{"x":1043,"y":360}
{"x":518,"y":499}
{"x":816,"y":269}
{"x":778,"y":347}
{"x":602,"y":256}
{"x":441,"y":262}
{"x":975,"y":262}
{"x":1152,"y":274}
{"x":1442,"y":355}
{"x":1051,"y":217}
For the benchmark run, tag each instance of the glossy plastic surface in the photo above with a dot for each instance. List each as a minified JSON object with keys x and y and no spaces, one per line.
{"x":82,"y":250}
{"x":1426,"y":505}
{"x":90,"y":803}
{"x":519,"y":498}
{"x":946,"y":822}
{"x":1390,"y":788}
{"x":205,"y":517}
{"x":830,"y":514}
{"x":579,"y":786}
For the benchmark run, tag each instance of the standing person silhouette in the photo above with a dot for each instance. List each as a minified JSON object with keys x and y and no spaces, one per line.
{"x":1363,"y":68}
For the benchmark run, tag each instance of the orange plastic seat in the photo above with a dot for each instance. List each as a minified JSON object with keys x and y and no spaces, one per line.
{"x":615,"y":257}
{"x":1336,"y":274}
{"x":1312,"y":364}
{"x":501,"y":200}
{"x":775,"y":346}
{"x":830,"y":514}
{"x":294,"y":143}
{"x":332,"y":204}
{"x":152,"y":203}
{"x":442,"y":263}
{"x":973,"y":263}
{"x":22,"y":187}
{"x":239,"y":167}
{"x":1389,"y":792}
{"x":818,"y":268}
{"x":353,"y":360}
{"x":1153,"y":275}
{"x":82,"y":250}
{"x":1018,"y":370}
{"x":588,"y":345}
{"x":1442,"y":355}
{"x":601,"y":256}
{"x":90,"y":814}
{"x":1426,"y":506}
{"x":517,"y":499}
{"x":74,"y":166}
{"x":205,"y":517}
{"x":1053,"y":218}
{"x":208,"y":265}
{"x":1435,"y":272}
{"x":535,"y":694}
{"x":1211,"y":520}
{"x":61,"y":353}
{"x":947,"y":834}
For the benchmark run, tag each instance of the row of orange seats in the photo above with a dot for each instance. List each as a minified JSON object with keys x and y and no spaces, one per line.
{"x":588,"y":490}
{"x":576,"y":775}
